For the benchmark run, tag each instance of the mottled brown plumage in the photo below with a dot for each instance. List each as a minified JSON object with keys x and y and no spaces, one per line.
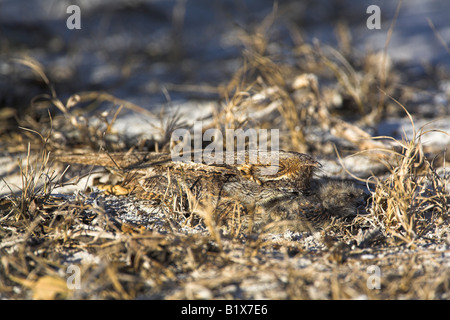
{"x":289,"y":171}
{"x":309,"y":212}
{"x":274,"y":186}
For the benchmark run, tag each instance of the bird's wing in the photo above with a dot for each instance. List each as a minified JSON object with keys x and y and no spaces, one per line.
{"x":119,"y":160}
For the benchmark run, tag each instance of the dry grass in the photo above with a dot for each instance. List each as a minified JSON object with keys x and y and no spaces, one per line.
{"x":414,"y":198}
{"x":175,"y":249}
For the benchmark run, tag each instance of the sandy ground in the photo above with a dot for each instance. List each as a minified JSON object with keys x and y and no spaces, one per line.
{"x":128,"y":248}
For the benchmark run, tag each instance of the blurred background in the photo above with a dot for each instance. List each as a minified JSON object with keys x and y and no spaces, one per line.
{"x":151,"y":51}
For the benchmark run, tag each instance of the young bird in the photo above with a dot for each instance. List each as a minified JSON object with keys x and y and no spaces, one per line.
{"x":311,"y":212}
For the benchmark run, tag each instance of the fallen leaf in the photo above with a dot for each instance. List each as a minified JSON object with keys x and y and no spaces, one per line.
{"x":50,"y":288}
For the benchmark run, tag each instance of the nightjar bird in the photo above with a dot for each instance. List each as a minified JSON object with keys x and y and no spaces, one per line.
{"x":155,"y":172}
{"x":267,"y":186}
{"x":311,"y":212}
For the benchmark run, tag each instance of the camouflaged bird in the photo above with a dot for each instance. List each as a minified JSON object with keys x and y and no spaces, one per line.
{"x":271,"y":186}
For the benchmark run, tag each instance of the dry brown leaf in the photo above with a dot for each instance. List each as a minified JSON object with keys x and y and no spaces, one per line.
{"x":50,"y":288}
{"x":114,"y":189}
{"x":128,"y":228}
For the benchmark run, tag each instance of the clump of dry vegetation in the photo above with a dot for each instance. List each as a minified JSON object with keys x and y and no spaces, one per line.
{"x":92,"y":245}
{"x":413,"y":200}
